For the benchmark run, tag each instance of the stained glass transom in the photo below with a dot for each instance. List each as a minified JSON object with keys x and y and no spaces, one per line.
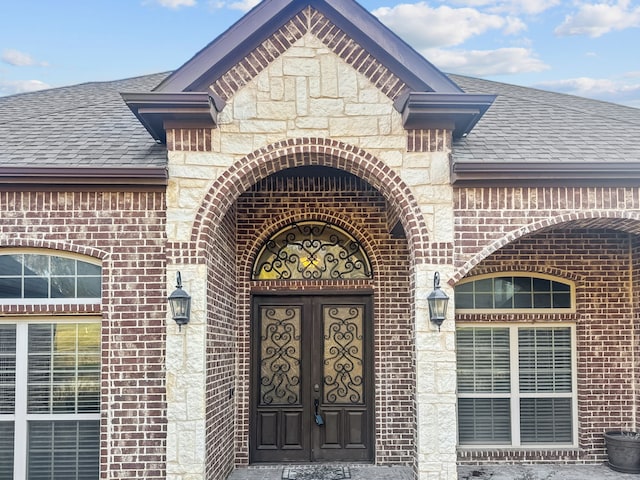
{"x":311,"y":251}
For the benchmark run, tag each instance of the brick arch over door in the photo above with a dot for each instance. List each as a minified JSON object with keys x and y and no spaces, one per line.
{"x":625,"y":221}
{"x":304,"y":152}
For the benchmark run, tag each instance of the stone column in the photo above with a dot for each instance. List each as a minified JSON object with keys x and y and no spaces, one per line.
{"x":185,"y":360}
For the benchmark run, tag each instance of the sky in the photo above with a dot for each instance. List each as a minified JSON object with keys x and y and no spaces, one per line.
{"x":588,"y":48}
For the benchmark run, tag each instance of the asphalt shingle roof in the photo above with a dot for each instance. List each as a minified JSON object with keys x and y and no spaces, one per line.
{"x":86,"y":125}
{"x":90,"y":125}
{"x":530,"y":125}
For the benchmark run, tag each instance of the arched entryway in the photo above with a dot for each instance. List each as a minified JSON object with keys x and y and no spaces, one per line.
{"x":303,"y":180}
{"x":364,"y":295}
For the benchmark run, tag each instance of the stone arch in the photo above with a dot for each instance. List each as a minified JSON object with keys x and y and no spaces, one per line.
{"x":247,"y":259}
{"x":304,"y":152}
{"x":615,"y":219}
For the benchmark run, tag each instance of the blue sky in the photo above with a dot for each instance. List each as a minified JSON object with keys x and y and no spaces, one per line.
{"x":587,"y":48}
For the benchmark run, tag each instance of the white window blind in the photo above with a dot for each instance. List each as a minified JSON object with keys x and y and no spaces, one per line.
{"x":7,"y":398}
{"x":6,"y":449}
{"x":7,"y":368}
{"x":50,"y":400}
{"x":544,"y":358}
{"x":64,"y":450}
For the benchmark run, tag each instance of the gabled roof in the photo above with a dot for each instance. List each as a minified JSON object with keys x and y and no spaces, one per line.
{"x":429,"y":98}
{"x":268,"y":16}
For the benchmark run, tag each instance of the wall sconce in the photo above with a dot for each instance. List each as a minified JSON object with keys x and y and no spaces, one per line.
{"x":438,"y":301}
{"x":180,"y":302}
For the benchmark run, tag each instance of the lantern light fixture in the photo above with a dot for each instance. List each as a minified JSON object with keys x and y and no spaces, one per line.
{"x":180,"y":302}
{"x":438,"y":301}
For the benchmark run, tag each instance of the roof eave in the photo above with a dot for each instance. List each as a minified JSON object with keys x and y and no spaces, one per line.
{"x":153,"y":109}
{"x":458,"y":112}
{"x":544,"y":173}
{"x":90,"y":177}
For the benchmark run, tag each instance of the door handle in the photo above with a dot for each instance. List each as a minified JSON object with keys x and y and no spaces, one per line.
{"x":318,"y":418}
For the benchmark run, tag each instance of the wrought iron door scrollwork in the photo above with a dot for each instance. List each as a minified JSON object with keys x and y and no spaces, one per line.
{"x":343,"y":355}
{"x":280,"y":356}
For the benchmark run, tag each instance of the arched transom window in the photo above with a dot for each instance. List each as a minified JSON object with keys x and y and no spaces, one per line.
{"x":311,"y":250}
{"x":514,"y":291}
{"x":46,"y":276}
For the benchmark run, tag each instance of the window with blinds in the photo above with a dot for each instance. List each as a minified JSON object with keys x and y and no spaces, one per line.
{"x":55,"y":369}
{"x":515,"y":385}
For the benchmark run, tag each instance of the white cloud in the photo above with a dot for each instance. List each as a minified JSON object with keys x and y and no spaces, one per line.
{"x":625,"y":90}
{"x":503,"y":61}
{"x":20,"y":59}
{"x":10,"y":87}
{"x":425,"y":27}
{"x":514,"y":7}
{"x":244,"y":5}
{"x":176,"y":3}
{"x":597,"y":19}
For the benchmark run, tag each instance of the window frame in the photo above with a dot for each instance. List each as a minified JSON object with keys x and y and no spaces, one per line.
{"x":515,"y":395}
{"x":47,"y":300}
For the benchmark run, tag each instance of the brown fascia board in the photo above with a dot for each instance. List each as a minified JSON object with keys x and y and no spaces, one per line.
{"x":545,"y":174}
{"x":267,"y":17}
{"x":17,"y":178}
{"x":456,"y":111}
{"x":153,"y":109}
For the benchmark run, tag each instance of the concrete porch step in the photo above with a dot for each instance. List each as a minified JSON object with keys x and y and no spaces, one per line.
{"x":321,"y":472}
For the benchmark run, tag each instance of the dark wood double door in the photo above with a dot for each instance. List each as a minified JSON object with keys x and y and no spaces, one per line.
{"x":312,"y":388}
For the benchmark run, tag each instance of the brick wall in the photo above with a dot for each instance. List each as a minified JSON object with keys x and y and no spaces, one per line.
{"x":126,"y":231}
{"x":601,"y":264}
{"x":221,"y":332}
{"x":635,"y":258}
{"x":488,"y":218}
{"x":355,"y":206}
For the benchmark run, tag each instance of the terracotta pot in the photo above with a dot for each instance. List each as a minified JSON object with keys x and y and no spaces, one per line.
{"x":623,"y":449}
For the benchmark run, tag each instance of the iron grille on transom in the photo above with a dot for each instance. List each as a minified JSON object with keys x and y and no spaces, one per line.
{"x":311,"y":250}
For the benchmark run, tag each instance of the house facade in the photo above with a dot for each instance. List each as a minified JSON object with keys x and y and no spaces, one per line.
{"x":309,"y":177}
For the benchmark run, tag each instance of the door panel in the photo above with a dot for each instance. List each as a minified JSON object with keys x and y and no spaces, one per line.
{"x":312,"y":354}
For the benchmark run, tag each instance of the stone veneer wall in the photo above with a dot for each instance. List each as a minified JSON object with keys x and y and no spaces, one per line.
{"x":126,"y":231}
{"x":309,"y":106}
